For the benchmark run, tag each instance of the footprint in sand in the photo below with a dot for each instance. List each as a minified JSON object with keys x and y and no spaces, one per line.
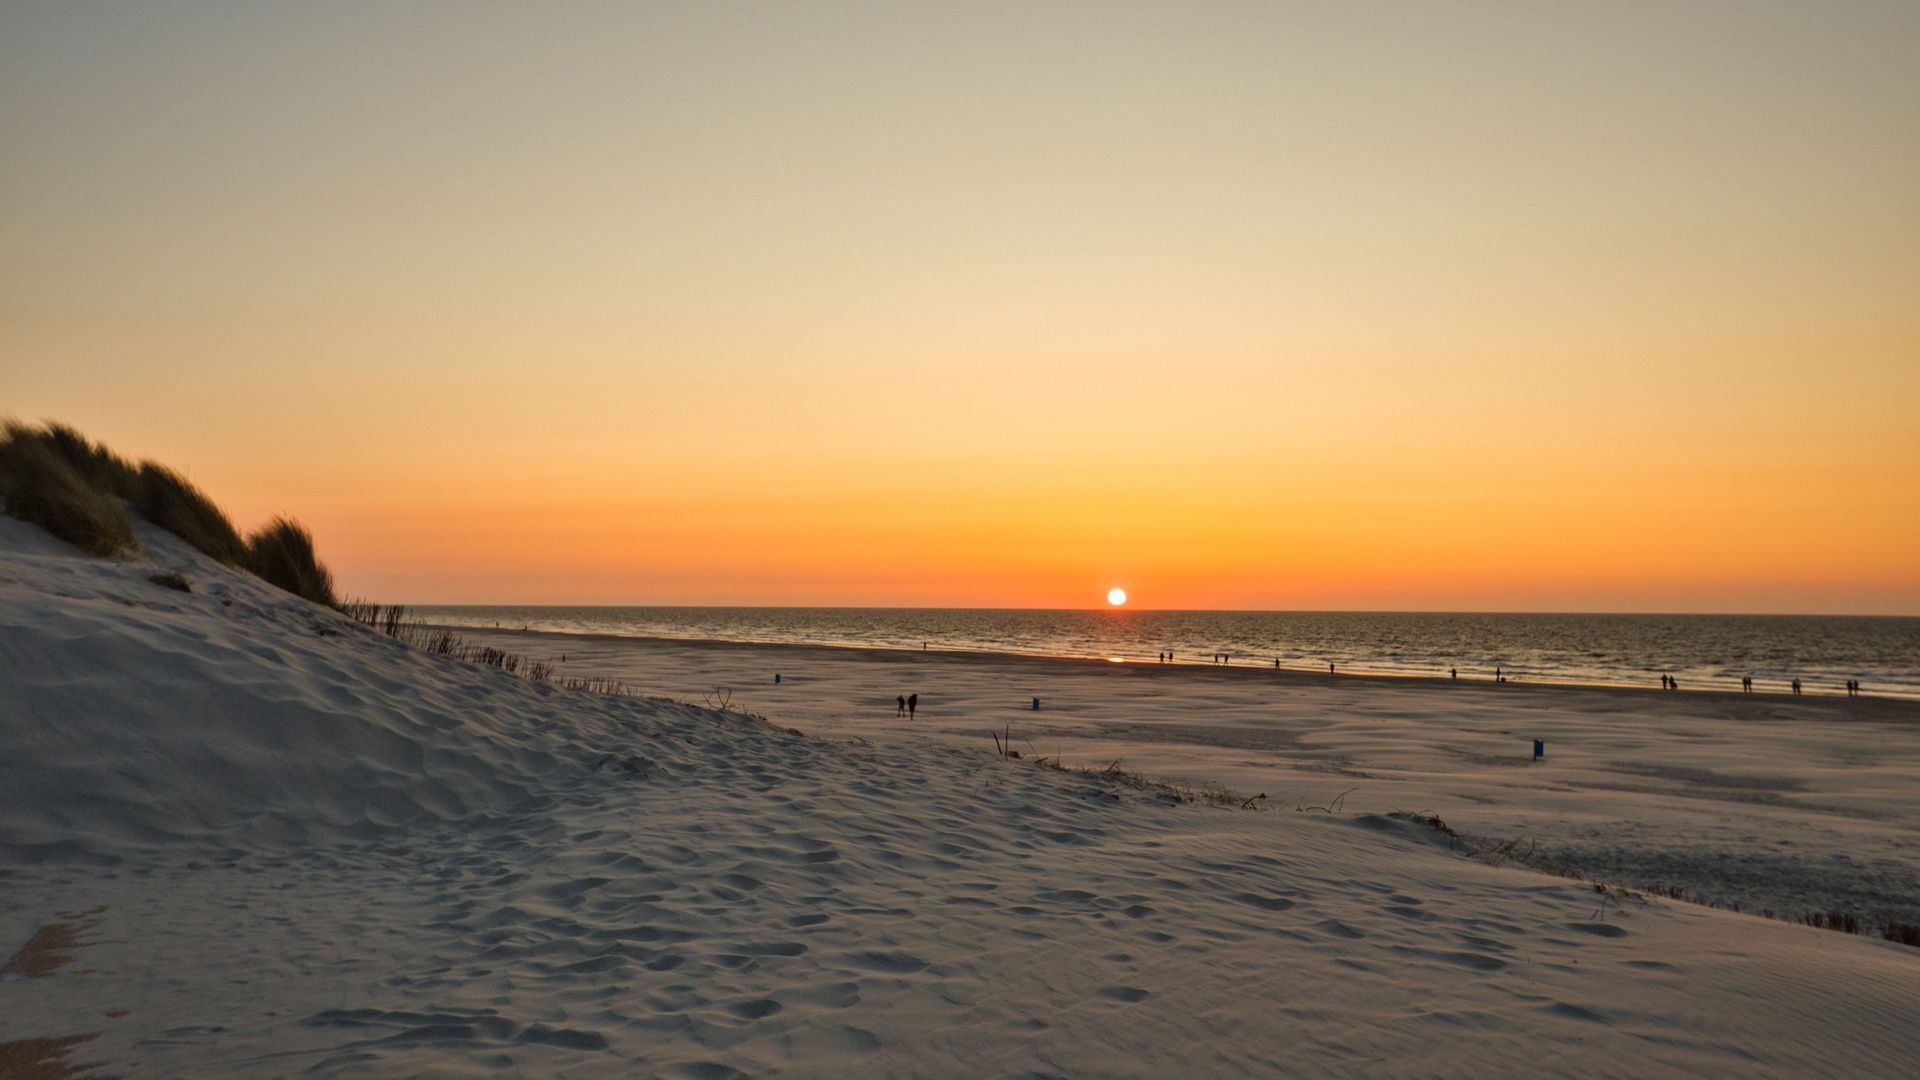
{"x":829,"y":996}
{"x":1128,"y":994}
{"x":1473,"y":960}
{"x":858,"y":1040}
{"x":890,"y":963}
{"x":769,"y":948}
{"x":1576,"y":1012}
{"x":566,"y":1038}
{"x":708,"y":1070}
{"x":756,"y":1009}
{"x":1607,"y":930}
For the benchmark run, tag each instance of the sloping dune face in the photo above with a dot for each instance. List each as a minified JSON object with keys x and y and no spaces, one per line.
{"x":274,"y":843}
{"x":234,"y":713}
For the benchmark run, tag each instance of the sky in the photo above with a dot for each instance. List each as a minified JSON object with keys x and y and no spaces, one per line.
{"x":1362,"y":306}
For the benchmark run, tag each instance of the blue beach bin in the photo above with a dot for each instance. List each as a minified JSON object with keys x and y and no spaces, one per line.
{"x":1036,"y":704}
{"x":1539,"y":749}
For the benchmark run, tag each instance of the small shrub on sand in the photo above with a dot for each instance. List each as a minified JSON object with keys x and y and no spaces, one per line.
{"x":41,"y":485}
{"x":281,"y":553}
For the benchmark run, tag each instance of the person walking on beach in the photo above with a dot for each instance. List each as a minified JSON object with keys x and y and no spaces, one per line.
{"x":900,"y":706}
{"x":1796,"y":686}
{"x":913,"y":702}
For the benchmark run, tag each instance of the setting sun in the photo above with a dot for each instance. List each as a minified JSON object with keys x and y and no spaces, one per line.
{"x":1117,"y":597}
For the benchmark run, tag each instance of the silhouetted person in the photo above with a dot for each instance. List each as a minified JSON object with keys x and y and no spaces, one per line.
{"x":1796,"y":686}
{"x":913,"y":702}
{"x":900,"y":706}
{"x":1329,"y":669}
{"x":1453,"y":673}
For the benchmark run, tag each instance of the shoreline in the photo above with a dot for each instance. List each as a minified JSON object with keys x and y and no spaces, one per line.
{"x":1881,"y":705}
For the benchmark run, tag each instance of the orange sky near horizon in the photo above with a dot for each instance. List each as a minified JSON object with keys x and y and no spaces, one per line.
{"x":1613,"y":308}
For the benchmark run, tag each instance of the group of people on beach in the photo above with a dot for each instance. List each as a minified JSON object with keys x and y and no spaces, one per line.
{"x":1746,"y":685}
{"x":905,"y":706}
{"x":1667,"y":682}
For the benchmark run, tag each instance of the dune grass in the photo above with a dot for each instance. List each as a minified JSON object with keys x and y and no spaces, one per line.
{"x":41,"y":485}
{"x":281,"y":552}
{"x":393,"y":621}
{"x":80,"y":491}
{"x":165,"y":498}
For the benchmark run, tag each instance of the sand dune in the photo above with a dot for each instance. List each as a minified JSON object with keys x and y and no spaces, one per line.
{"x":321,"y":853}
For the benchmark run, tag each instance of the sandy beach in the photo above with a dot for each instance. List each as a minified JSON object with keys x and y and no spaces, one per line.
{"x":247,"y":837}
{"x":1730,"y":797}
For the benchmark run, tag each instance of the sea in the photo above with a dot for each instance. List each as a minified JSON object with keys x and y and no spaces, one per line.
{"x":1697,"y":651}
